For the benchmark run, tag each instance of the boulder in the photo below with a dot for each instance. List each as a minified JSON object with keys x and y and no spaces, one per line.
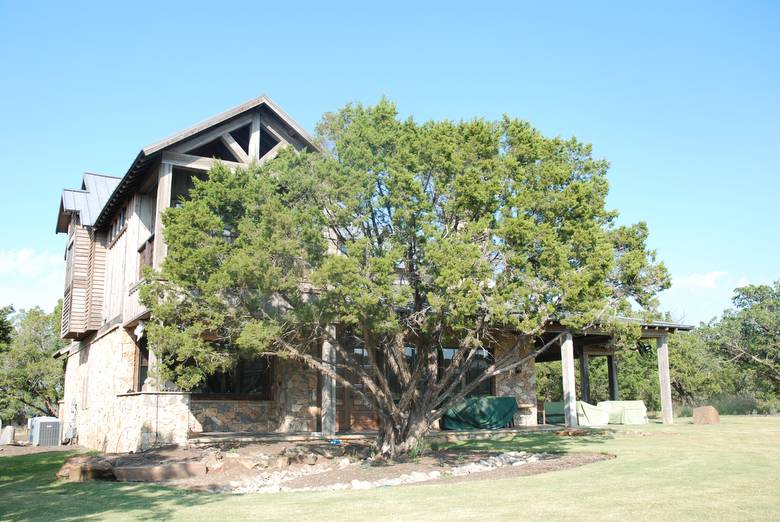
{"x":214,"y":462}
{"x":706,"y":415}
{"x":330,"y":451}
{"x":279,"y":461}
{"x":173,"y":470}
{"x":83,"y":468}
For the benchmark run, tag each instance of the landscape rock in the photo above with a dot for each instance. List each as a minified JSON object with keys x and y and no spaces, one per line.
{"x":174,"y":470}
{"x":214,"y":461}
{"x":706,"y":415}
{"x":330,"y":451}
{"x":83,"y":468}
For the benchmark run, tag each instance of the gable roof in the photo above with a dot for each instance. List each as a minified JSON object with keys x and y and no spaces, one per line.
{"x":152,"y":151}
{"x":87,"y":202}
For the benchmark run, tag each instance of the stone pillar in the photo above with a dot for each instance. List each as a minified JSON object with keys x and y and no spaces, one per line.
{"x":664,"y":379}
{"x":584,"y":376}
{"x":613,"y":381}
{"x":328,"y":407}
{"x":569,"y":392}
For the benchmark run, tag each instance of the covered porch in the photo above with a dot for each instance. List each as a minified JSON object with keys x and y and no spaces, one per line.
{"x":585,"y":345}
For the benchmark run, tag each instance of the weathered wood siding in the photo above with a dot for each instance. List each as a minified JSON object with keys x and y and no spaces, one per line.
{"x":75,"y":310}
{"x":97,"y":281}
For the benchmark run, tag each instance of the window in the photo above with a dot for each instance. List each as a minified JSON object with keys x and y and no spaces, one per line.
{"x":142,"y":367}
{"x":69,"y":264}
{"x":250,"y":379}
{"x":118,"y":225}
{"x":482,"y":359}
{"x":145,"y":256}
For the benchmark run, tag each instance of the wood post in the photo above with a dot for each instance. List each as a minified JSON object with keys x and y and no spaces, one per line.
{"x":664,"y":379}
{"x":584,"y":376}
{"x":613,"y":381}
{"x":254,"y":138}
{"x":328,"y":407}
{"x":569,"y":392}
{"x":164,"y":186}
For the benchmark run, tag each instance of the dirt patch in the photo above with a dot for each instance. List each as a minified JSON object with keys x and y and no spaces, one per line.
{"x":14,"y":451}
{"x":239,"y":471}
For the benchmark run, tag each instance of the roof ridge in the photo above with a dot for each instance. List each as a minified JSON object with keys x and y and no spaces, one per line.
{"x":86,"y":172}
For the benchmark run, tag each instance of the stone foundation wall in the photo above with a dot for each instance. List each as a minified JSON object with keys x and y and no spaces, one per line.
{"x":293,"y":408}
{"x":519,"y":383}
{"x":150,"y":419}
{"x":97,"y":371}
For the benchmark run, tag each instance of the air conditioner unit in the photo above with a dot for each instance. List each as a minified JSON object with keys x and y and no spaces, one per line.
{"x":44,"y":431}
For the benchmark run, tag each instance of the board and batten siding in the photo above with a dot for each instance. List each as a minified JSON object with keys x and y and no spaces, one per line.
{"x":75,"y":306}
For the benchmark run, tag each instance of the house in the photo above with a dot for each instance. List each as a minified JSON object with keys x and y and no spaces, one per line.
{"x":113,"y":402}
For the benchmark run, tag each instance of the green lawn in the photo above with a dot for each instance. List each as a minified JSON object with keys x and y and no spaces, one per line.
{"x":728,"y":471}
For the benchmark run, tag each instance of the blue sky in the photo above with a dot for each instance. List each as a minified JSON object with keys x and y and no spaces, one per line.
{"x":682,"y":99}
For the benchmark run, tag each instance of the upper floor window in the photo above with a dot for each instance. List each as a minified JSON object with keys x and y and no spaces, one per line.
{"x":118,"y":225}
{"x":69,"y":263}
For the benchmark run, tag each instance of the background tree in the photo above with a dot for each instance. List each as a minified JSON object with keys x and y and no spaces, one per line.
{"x":749,"y":335}
{"x":31,"y":379}
{"x":409,"y":237}
{"x":6,"y":327}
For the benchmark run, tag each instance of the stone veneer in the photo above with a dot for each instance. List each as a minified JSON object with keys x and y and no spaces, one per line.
{"x":293,"y":408}
{"x":519,"y":383}
{"x":100,"y":406}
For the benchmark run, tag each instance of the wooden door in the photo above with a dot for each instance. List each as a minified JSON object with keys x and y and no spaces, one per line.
{"x":354,"y":413}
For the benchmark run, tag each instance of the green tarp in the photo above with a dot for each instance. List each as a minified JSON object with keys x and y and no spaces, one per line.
{"x":480,"y":413}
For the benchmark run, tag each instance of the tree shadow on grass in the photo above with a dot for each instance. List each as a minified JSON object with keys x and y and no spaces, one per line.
{"x":531,"y":442}
{"x":30,"y":490}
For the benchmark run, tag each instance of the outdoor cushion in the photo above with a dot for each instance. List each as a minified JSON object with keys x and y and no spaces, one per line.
{"x":625,"y":412}
{"x":553,"y":412}
{"x":590,"y":415}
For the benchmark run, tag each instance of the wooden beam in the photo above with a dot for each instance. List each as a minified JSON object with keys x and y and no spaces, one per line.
{"x":569,"y":393}
{"x":231,"y":143}
{"x":612,"y":375}
{"x":584,"y":376}
{"x":164,"y":185}
{"x":188,"y":161}
{"x":212,"y":134}
{"x":328,"y":392}
{"x":278,"y":133}
{"x":271,"y":154}
{"x":664,"y":380}
{"x":254,"y":137}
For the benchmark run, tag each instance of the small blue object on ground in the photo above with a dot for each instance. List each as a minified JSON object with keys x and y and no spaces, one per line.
{"x":334,"y":442}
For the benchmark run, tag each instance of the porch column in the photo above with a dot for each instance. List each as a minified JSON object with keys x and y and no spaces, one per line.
{"x":613,"y":382}
{"x":664,"y":380}
{"x":569,"y":392}
{"x":584,"y":376}
{"x":328,"y":407}
{"x":164,"y":186}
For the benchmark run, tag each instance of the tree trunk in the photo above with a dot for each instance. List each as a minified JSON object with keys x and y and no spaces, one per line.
{"x":397,"y":439}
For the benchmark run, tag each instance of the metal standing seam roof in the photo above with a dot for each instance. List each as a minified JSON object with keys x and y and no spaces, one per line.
{"x":87,"y":202}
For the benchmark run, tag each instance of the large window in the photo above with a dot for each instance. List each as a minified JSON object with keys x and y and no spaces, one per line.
{"x":480,"y":362}
{"x":249,"y":379}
